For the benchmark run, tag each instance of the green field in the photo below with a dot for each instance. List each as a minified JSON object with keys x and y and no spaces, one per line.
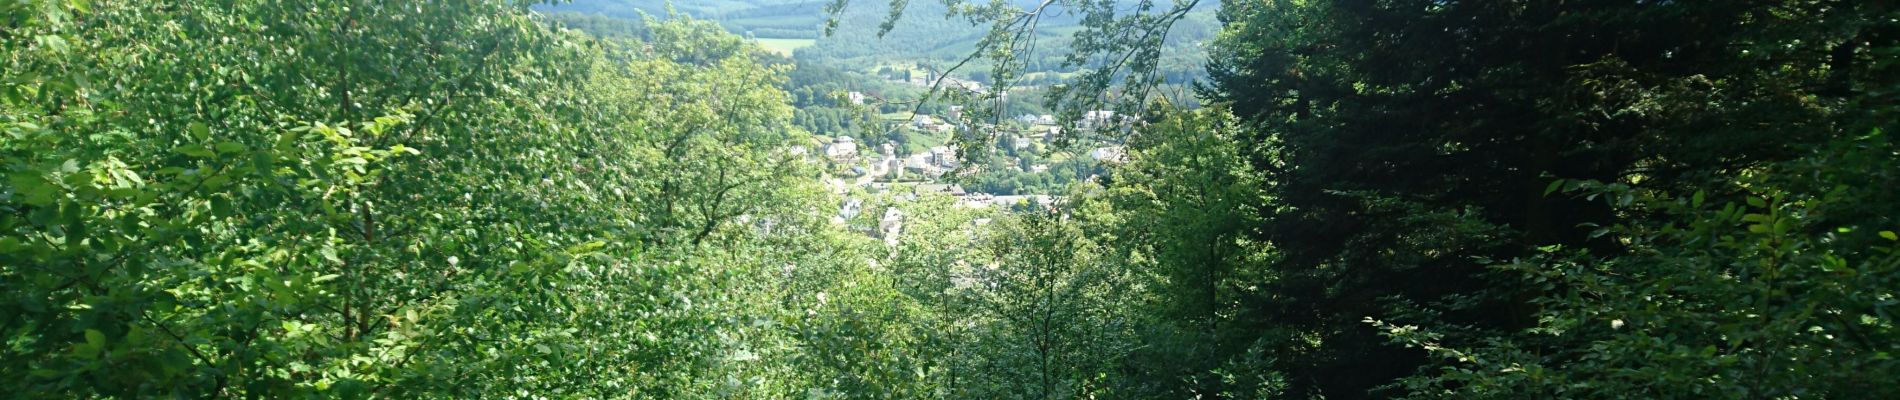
{"x":785,"y":46}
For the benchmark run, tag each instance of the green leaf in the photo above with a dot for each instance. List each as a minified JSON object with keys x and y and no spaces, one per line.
{"x":1889,"y":235}
{"x":84,"y":6}
{"x":54,"y":42}
{"x":74,"y":216}
{"x":37,"y":190}
{"x":586,"y":247}
{"x":1554,"y":185}
{"x":175,"y":361}
{"x":198,"y":130}
{"x":195,"y":151}
{"x":1696,"y":200}
{"x":230,"y":147}
{"x":216,"y":182}
{"x":221,"y":206}
{"x":95,"y":342}
{"x":1757,"y":202}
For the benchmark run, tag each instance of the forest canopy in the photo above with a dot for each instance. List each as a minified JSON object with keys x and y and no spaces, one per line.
{"x":604,"y":199}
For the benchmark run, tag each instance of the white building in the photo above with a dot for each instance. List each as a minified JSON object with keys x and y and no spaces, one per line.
{"x":842,"y":148}
{"x":944,"y":157}
{"x":1033,"y":119}
{"x":923,"y":122}
{"x":891,"y":225}
{"x":953,"y":190}
{"x":1093,"y":120}
{"x":918,"y":161}
{"x":1111,"y":154}
{"x":922,"y":165}
{"x":850,"y":209}
{"x":1019,"y":142}
{"x":1012,"y":201}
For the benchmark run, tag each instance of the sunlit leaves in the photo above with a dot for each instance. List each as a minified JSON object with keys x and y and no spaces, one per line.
{"x":335,"y":198}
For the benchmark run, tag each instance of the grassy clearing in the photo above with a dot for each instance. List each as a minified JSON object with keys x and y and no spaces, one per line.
{"x":785,"y":46}
{"x":921,"y":142}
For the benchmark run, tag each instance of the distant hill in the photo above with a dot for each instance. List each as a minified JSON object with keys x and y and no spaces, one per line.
{"x":924,"y":35}
{"x":799,"y":19}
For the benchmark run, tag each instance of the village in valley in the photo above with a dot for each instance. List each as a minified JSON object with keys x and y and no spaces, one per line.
{"x":901,"y":178}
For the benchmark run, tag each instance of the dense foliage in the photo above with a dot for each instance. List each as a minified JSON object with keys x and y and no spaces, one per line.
{"x":1393,"y":199}
{"x":1412,"y":149}
{"x":1509,"y":200}
{"x":390,"y":199}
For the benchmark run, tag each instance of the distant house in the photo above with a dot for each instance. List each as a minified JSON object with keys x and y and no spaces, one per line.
{"x":891,"y":225}
{"x":924,"y":122}
{"x":850,"y":209}
{"x":918,"y":161}
{"x":1033,"y":119}
{"x":889,"y":165}
{"x":969,"y":86}
{"x":956,"y":113}
{"x":1110,"y":154}
{"x":921,"y":164}
{"x":1019,"y":142}
{"x":943,"y":156}
{"x":1094,"y":120}
{"x":838,"y":186}
{"x":842,"y":148}
{"x":1012,"y":201}
{"x":857,"y":98}
{"x":952,"y":190}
